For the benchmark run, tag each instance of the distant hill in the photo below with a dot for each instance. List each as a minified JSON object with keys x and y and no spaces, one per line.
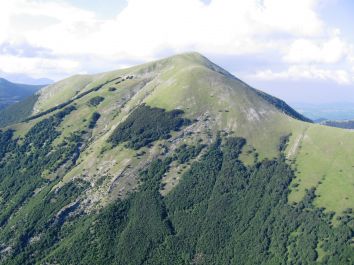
{"x":349,"y":124}
{"x":18,"y":111}
{"x":11,"y":93}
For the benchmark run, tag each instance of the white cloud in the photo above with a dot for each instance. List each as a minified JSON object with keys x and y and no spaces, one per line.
{"x":293,"y":17}
{"x":72,"y":36}
{"x":310,"y":72}
{"x":311,"y":51}
{"x":38,"y":67}
{"x":224,"y":26}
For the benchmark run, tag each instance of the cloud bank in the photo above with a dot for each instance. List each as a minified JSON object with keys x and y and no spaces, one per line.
{"x":56,"y":38}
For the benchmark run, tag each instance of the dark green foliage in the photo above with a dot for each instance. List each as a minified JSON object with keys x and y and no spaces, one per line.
{"x":221,"y":213}
{"x":6,"y":143}
{"x":95,"y":101}
{"x":46,"y":216}
{"x":18,"y":111}
{"x":37,"y":212}
{"x":112,"y":89}
{"x":127,"y":231}
{"x":283,"y":142}
{"x":23,"y":163}
{"x":184,"y":153}
{"x":146,"y":125}
{"x":93,"y":120}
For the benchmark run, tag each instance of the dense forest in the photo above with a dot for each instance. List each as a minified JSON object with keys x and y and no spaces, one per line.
{"x":146,"y":125}
{"x":221,"y":212}
{"x":27,"y":204}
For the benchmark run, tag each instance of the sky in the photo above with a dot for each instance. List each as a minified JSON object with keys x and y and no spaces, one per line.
{"x":300,"y":51}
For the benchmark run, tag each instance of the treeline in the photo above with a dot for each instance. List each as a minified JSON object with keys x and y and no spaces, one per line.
{"x":222,"y":212}
{"x":185,"y":153}
{"x":28,"y":207}
{"x":68,"y":102}
{"x":146,"y":125}
{"x":93,"y":120}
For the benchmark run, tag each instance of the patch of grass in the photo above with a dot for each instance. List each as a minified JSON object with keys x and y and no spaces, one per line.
{"x":62,"y":91}
{"x":324,"y":160}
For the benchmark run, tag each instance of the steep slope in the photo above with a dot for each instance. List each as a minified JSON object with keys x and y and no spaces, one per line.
{"x":218,"y":100}
{"x":126,"y":167}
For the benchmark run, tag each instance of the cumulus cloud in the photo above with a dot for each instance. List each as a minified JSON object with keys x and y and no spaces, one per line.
{"x":38,"y":67}
{"x":68,"y":39}
{"x":311,"y":51}
{"x":301,"y":72}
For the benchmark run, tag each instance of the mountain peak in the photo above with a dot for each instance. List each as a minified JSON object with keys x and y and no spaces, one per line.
{"x":190,"y":82}
{"x":207,"y":94}
{"x":190,"y":57}
{"x":152,"y":152}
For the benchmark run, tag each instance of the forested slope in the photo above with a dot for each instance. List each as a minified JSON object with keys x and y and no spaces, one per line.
{"x":172,"y":162}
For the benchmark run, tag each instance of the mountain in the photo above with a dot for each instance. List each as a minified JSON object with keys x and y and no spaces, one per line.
{"x":11,"y":92}
{"x":25,"y":79}
{"x":172,"y":162}
{"x":345,"y":124}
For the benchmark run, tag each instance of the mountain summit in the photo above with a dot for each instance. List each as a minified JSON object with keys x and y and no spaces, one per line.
{"x":172,"y":162}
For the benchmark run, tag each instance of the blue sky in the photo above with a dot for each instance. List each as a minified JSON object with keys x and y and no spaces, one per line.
{"x":300,"y":51}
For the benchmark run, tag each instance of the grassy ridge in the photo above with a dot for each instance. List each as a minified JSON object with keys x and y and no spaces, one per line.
{"x":324,"y":161}
{"x":191,"y":83}
{"x":217,"y":101}
{"x":88,"y":201}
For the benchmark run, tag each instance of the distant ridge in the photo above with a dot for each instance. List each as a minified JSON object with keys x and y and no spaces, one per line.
{"x":13,"y":92}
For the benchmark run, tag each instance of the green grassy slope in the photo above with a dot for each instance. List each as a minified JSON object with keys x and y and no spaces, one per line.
{"x":218,"y":101}
{"x":324,"y":160}
{"x":75,"y":190}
